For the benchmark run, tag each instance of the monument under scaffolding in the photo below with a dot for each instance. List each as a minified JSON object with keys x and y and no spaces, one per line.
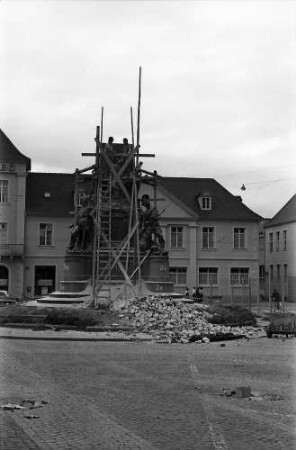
{"x":116,"y":234}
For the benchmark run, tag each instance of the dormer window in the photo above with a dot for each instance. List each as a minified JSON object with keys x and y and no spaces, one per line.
{"x":205,"y":202}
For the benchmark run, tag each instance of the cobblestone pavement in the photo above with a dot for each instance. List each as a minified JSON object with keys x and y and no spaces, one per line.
{"x":148,"y":396}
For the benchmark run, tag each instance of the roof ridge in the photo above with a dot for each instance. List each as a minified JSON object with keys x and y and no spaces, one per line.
{"x":7,"y":144}
{"x":236,"y":198}
{"x":7,"y":138}
{"x":187,"y":178}
{"x":52,"y":173}
{"x":283,"y":208}
{"x":188,"y":191}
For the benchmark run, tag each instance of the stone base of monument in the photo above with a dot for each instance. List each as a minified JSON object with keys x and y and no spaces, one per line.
{"x":75,"y":287}
{"x":77,"y":274}
{"x":77,"y":266}
{"x":155,"y":273}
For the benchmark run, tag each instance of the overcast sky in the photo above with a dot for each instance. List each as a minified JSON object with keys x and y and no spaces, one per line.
{"x":218,"y":87}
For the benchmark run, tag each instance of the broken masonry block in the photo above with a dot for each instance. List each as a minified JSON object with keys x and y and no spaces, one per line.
{"x":243,"y":392}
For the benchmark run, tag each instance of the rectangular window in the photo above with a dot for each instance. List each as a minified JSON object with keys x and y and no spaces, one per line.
{"x":285,"y":272}
{"x":206,"y":203}
{"x":271,"y":272}
{"x":177,"y":237}
{"x":239,"y":241}
{"x":278,"y":271}
{"x":45,"y":234}
{"x":178,"y":275}
{"x":239,"y":276}
{"x":270,"y":242}
{"x":3,"y":191}
{"x":208,"y":237}
{"x":208,"y":276}
{"x":3,"y":233}
{"x":285,"y":240}
{"x":261,"y":272}
{"x":277,"y":241}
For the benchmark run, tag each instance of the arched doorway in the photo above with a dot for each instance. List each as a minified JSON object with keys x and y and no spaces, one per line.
{"x":4,"y":278}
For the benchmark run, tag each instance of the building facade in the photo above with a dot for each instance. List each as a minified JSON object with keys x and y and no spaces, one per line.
{"x":14,"y":167}
{"x":49,"y":215}
{"x":211,"y":236}
{"x":280,"y":250}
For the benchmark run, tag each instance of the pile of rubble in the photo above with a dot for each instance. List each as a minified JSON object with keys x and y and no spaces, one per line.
{"x":172,"y":320}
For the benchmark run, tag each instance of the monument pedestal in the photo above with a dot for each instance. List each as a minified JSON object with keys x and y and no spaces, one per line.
{"x":155,"y":273}
{"x":77,"y":266}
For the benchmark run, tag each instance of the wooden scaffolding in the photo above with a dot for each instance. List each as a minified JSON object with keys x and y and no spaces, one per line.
{"x":114,"y":206}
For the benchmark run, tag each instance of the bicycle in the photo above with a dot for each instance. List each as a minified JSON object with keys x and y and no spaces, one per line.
{"x":278,"y":307}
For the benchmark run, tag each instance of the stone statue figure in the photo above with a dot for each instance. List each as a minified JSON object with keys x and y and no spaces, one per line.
{"x":150,"y":234}
{"x":82,"y":230}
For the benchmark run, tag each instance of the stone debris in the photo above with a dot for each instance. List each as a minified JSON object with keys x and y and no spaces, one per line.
{"x":239,"y":392}
{"x":173,"y":321}
{"x":228,"y":393}
{"x":257,"y":396}
{"x":275,"y":397}
{"x":245,"y":392}
{"x":32,"y":404}
{"x":12,"y":407}
{"x":24,"y":405}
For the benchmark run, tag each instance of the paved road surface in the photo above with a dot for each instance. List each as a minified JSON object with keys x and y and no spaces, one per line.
{"x":148,"y":396}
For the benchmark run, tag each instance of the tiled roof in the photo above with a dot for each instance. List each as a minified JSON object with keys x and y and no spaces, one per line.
{"x":8,"y":152}
{"x":61,"y":189}
{"x":225,"y":206}
{"x":285,"y":215}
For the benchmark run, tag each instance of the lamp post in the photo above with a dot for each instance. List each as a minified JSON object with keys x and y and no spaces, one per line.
{"x":283,"y":294}
{"x":269,"y":293}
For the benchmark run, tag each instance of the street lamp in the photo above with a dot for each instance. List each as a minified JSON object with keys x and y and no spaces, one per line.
{"x":269,"y":296}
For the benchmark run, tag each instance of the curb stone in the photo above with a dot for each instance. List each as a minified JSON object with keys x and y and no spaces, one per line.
{"x":71,"y":335}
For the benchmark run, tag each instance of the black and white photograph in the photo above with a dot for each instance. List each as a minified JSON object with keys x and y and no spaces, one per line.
{"x":147,"y":225}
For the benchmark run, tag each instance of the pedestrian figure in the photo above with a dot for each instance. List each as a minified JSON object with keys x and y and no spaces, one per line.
{"x":126,"y":146}
{"x":276,"y":300}
{"x":109,"y":145}
{"x":187,"y":295}
{"x":193,"y":293}
{"x":199,"y":295}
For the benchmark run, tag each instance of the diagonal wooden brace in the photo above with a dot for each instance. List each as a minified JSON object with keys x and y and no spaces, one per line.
{"x":134,"y":272}
{"x":116,"y":256}
{"x":122,"y":169}
{"x":123,"y":188}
